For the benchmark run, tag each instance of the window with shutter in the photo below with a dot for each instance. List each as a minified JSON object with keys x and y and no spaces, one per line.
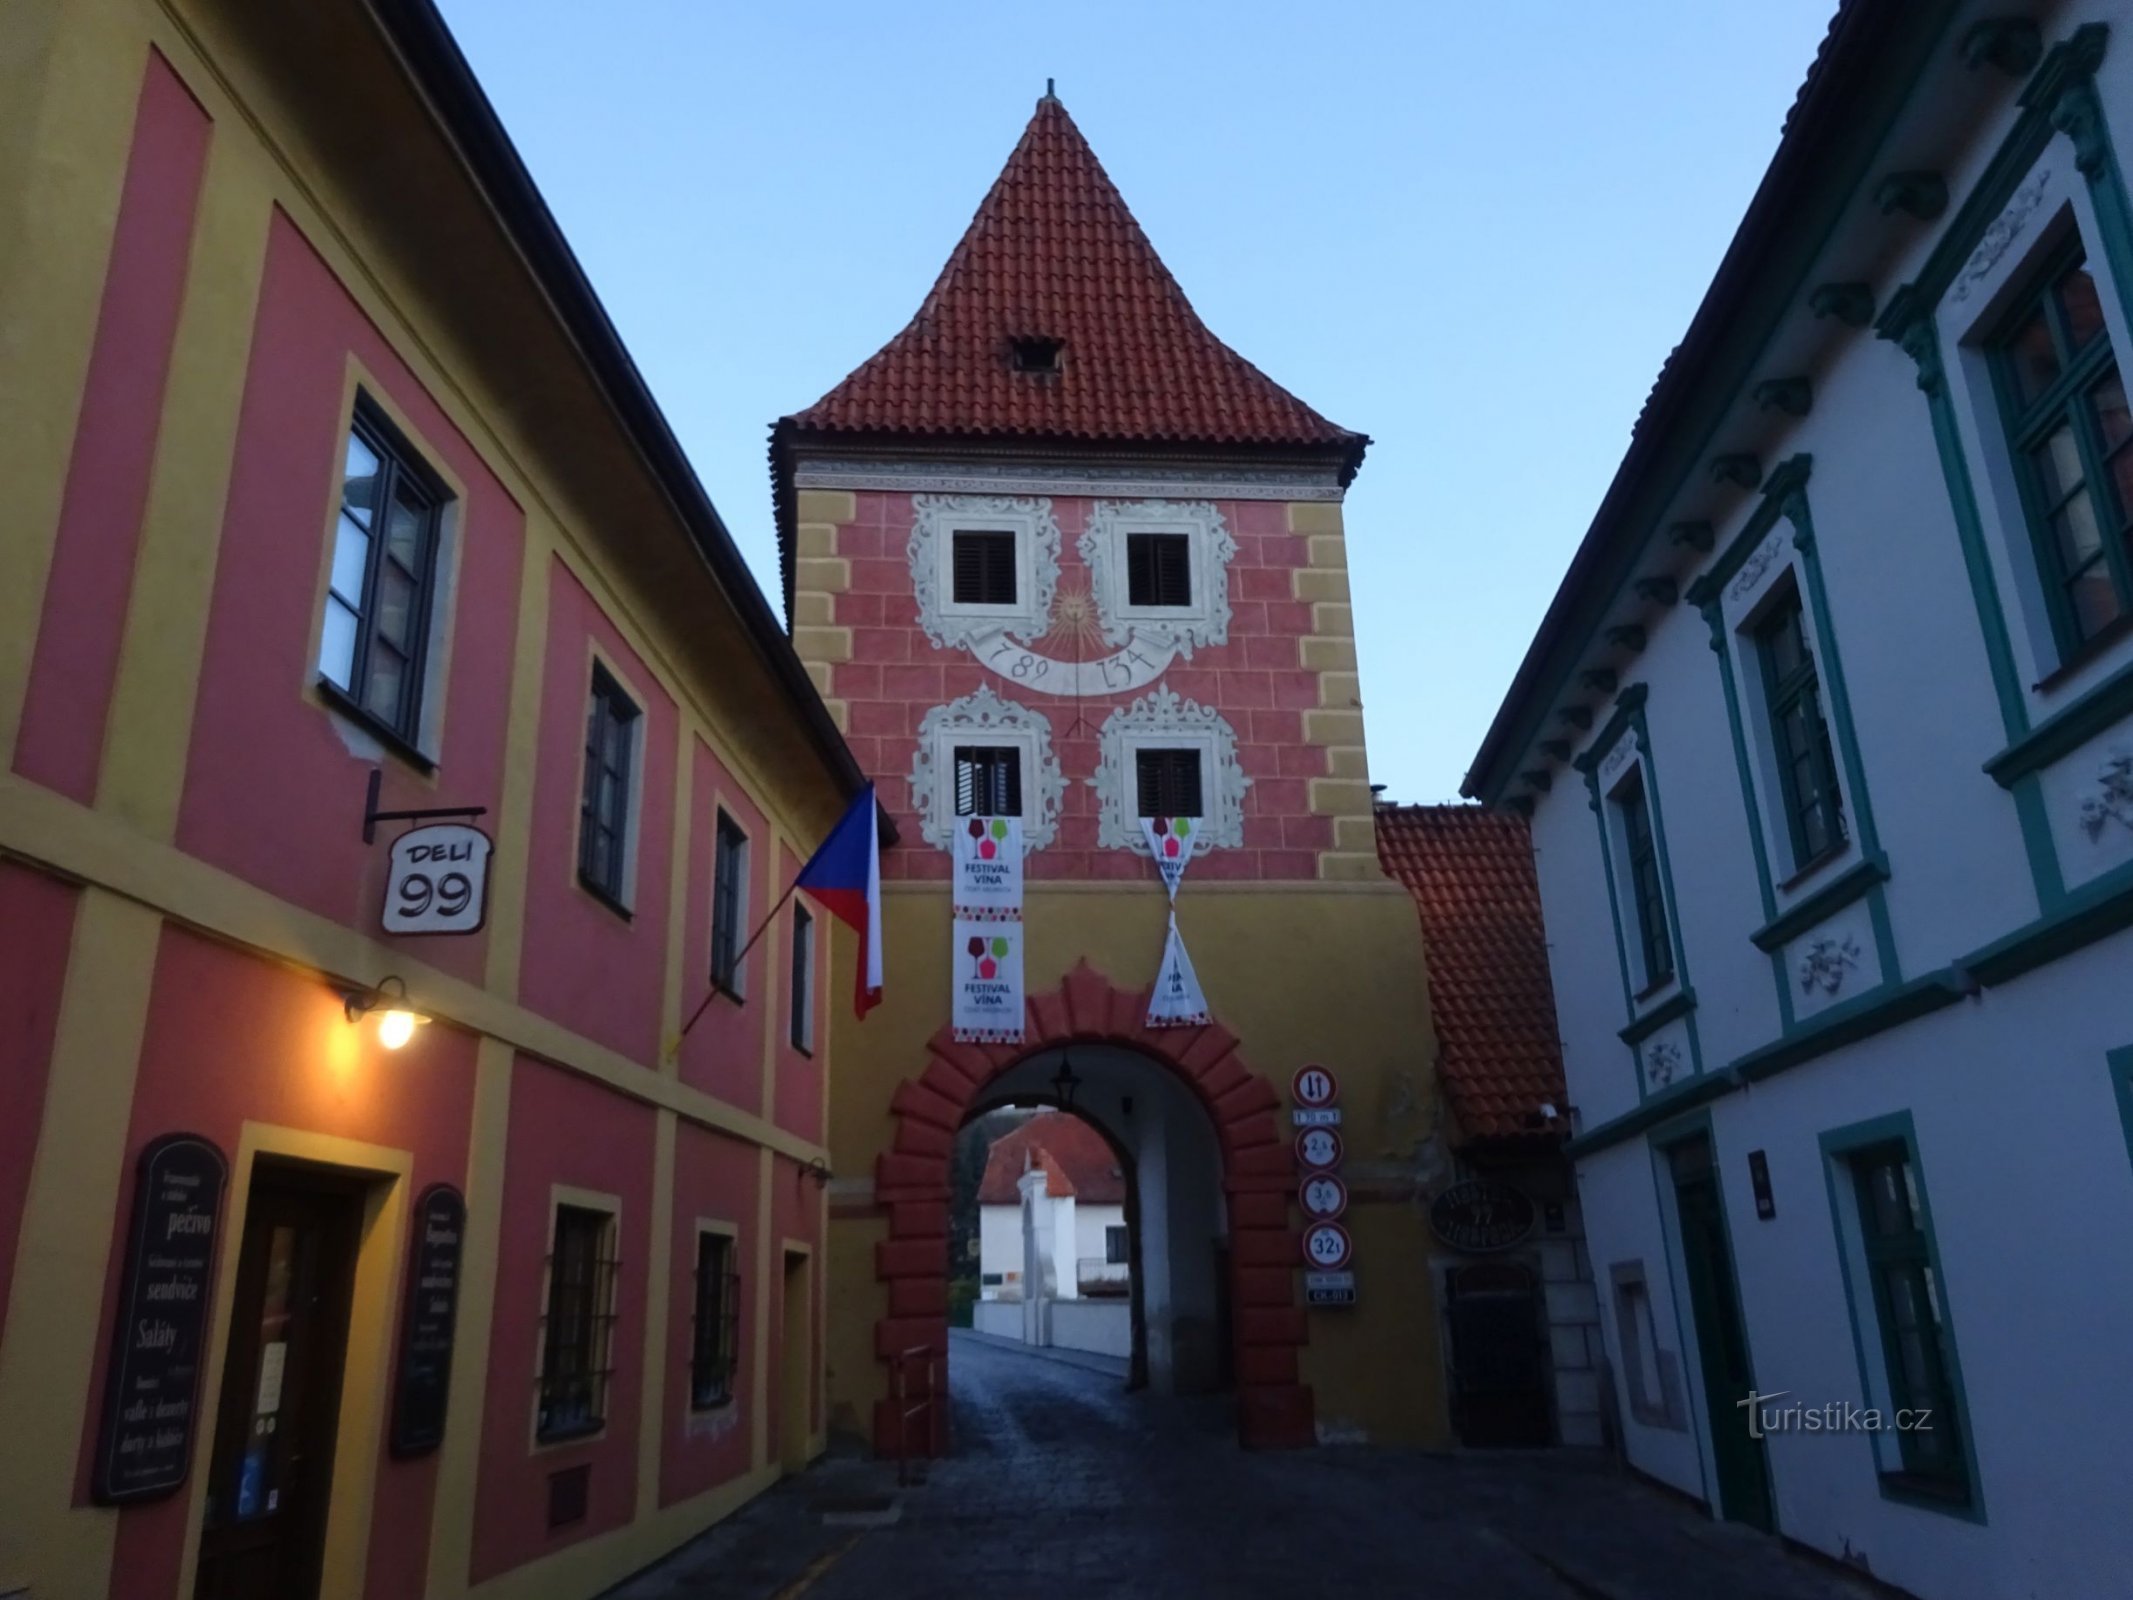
{"x":984,"y":568}
{"x":1158,"y":569}
{"x":988,"y":781}
{"x":1167,"y":782}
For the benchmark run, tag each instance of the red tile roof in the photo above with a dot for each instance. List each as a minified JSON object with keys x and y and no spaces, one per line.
{"x":1053,"y":253}
{"x":1471,"y":873}
{"x":1072,"y":1155}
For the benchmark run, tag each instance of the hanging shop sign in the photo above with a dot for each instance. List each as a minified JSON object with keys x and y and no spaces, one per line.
{"x":986,"y":961}
{"x":988,"y":867}
{"x":1327,"y":1247}
{"x":438,"y":881}
{"x":158,"y":1342}
{"x":1329,"y":1288}
{"x":428,"y":1320}
{"x":1170,"y":841}
{"x":1176,"y":1000}
{"x":1481,"y":1215}
{"x":1318,"y":1149}
{"x":1323,"y":1197}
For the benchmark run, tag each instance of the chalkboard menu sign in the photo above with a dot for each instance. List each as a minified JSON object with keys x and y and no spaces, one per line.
{"x":159,"y":1341}
{"x":432,"y":1305}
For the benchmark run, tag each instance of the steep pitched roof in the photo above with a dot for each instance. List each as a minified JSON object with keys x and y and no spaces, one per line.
{"x":1471,"y":873}
{"x":1071,"y":1154}
{"x":1053,"y":253}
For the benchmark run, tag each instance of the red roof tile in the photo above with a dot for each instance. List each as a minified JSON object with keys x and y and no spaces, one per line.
{"x":1073,"y":1156}
{"x":1053,"y":253}
{"x":1471,"y":873}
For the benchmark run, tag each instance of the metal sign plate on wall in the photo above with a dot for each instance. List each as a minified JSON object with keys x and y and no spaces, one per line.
{"x":1481,"y":1215}
{"x":1329,"y":1288}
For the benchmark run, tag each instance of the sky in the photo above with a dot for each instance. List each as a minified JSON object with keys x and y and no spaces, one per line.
{"x":1472,"y":232}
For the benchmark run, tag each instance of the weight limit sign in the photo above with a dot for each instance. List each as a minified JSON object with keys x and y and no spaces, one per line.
{"x":1327,"y":1247}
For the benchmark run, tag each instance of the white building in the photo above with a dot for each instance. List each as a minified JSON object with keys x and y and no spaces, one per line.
{"x":1827,"y":742}
{"x":1054,"y":1249}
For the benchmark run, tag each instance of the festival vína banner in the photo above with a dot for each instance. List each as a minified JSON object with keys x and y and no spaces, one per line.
{"x":988,"y":867}
{"x":1176,"y":1000}
{"x":987,"y":979}
{"x":1170,"y":841}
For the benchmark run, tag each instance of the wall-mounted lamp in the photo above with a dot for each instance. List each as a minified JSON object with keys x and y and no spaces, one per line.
{"x":1064,"y":1083}
{"x":397,"y":1020}
{"x":819,"y":1170}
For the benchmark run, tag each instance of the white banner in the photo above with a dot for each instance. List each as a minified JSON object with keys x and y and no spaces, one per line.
{"x":1170,"y":841}
{"x":1176,"y":1000}
{"x":987,"y":966}
{"x":988,"y":867}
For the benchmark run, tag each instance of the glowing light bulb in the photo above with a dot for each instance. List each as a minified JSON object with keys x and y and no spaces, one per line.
{"x":395,"y":1028}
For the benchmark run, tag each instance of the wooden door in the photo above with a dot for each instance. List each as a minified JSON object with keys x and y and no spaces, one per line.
{"x":271,"y":1472}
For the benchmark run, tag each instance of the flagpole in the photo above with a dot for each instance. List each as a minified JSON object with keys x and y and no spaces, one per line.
{"x":739,"y":960}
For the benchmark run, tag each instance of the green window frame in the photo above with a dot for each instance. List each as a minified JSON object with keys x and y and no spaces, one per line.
{"x":1800,"y":745}
{"x":1647,"y":895}
{"x":2063,"y":403}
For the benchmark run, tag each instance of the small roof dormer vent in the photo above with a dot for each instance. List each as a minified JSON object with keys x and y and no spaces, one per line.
{"x":1035,"y":352}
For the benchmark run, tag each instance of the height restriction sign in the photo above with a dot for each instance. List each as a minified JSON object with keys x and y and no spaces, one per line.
{"x":1326,"y":1246}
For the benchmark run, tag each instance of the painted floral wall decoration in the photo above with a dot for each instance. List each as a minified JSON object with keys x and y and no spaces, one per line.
{"x":1827,"y":962}
{"x":2113,"y":799}
{"x":1662,"y":1063}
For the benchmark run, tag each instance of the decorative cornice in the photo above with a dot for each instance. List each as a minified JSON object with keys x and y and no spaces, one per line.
{"x":1784,"y":495}
{"x":1697,"y":536}
{"x":1923,"y":195}
{"x":1600,"y":679}
{"x":1555,"y":749}
{"x":2006,"y":228}
{"x":2078,"y":114}
{"x":1629,"y":708}
{"x":2072,"y":61}
{"x":1579,"y":717}
{"x":1627,"y":635}
{"x":1793,"y":396}
{"x":924,"y":473}
{"x":1850,"y":303}
{"x":1661,"y":590}
{"x":1741,"y":468}
{"x":1539,"y":778}
{"x":2011,"y":44}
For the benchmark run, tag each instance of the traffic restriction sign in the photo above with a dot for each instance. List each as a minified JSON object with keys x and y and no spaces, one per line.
{"x":1319,"y":1149}
{"x":1327,"y":1247}
{"x":1314,"y":1085}
{"x":1324,"y":1197}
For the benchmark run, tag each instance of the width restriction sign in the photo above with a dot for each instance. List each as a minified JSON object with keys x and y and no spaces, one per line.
{"x":1327,"y":1247}
{"x":1314,"y":1086}
{"x":1324,"y":1197}
{"x":1329,"y":1288}
{"x":1319,"y":1149}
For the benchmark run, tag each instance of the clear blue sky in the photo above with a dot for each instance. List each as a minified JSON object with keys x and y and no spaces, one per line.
{"x":1472,"y":232}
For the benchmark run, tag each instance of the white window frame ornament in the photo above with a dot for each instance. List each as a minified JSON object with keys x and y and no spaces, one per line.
{"x":1180,"y":628}
{"x":1163,"y":720}
{"x":983,"y":718}
{"x":931,"y":553}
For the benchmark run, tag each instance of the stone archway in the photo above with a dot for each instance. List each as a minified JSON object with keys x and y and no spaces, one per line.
{"x":911,"y":1184}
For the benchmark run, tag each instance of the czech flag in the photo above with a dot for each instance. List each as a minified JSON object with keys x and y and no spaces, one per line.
{"x":845,"y":877}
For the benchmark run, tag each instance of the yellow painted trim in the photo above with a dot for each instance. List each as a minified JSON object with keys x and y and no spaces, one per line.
{"x":578,"y":1199}
{"x":759,"y":1380}
{"x":44,"y":828}
{"x":658,"y":1290}
{"x":52,"y":1354}
{"x":148,"y":735}
{"x":367,"y":1365}
{"x":451,"y":1556}
{"x":680,"y":881}
{"x":64,"y":146}
{"x":513,"y":867}
{"x":799,"y":1446}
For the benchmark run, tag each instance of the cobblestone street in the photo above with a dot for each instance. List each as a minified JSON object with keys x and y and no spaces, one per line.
{"x":1063,"y":1485}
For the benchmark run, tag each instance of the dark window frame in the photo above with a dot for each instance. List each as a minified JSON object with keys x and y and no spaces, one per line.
{"x":801,"y":1025}
{"x":729,"y":895}
{"x":1159,"y":570}
{"x":1160,"y":782}
{"x":989,"y":561}
{"x":400,"y":469}
{"x":715,"y":1321}
{"x":1899,"y":1252}
{"x":988,"y":780}
{"x":1809,"y":794}
{"x":613,"y":723}
{"x":577,"y":1324}
{"x":1641,"y":874}
{"x":2030,"y":425}
{"x":1118,"y":1245}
